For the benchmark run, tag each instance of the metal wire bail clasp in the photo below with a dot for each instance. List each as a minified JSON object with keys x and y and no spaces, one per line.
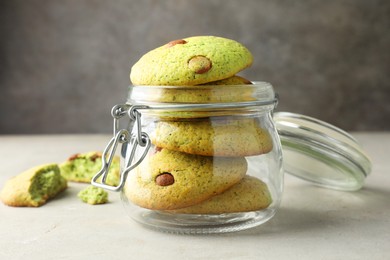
{"x":134,"y":140}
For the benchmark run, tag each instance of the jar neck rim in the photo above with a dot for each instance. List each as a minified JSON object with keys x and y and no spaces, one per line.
{"x":203,"y":96}
{"x":202,"y":106}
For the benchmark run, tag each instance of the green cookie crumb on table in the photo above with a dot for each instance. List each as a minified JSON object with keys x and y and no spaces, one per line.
{"x":93,"y":195}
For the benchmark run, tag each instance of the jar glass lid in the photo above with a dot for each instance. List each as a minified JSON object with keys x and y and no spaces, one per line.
{"x":321,"y":153}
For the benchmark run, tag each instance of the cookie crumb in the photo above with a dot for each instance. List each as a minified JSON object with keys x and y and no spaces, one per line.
{"x":93,"y":195}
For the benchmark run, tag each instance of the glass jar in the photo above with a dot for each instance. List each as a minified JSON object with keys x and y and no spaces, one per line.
{"x":206,"y":159}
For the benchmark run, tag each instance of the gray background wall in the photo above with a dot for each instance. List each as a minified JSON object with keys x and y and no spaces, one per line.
{"x":64,"y":64}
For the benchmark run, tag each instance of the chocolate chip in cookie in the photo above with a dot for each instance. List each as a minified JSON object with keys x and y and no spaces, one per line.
{"x":165,"y":179}
{"x":199,"y":64}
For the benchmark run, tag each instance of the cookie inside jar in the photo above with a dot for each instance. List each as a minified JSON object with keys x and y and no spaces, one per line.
{"x":212,"y":165}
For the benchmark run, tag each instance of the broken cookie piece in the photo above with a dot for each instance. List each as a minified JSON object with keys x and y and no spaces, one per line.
{"x":33,"y":187}
{"x":82,"y":167}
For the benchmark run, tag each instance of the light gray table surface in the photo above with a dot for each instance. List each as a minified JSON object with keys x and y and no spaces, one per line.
{"x":312,"y":223}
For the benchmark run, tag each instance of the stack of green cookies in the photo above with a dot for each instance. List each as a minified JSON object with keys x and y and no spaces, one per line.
{"x":198,"y":166}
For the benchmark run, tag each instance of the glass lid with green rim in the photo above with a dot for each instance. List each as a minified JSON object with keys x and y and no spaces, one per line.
{"x":321,"y":153}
